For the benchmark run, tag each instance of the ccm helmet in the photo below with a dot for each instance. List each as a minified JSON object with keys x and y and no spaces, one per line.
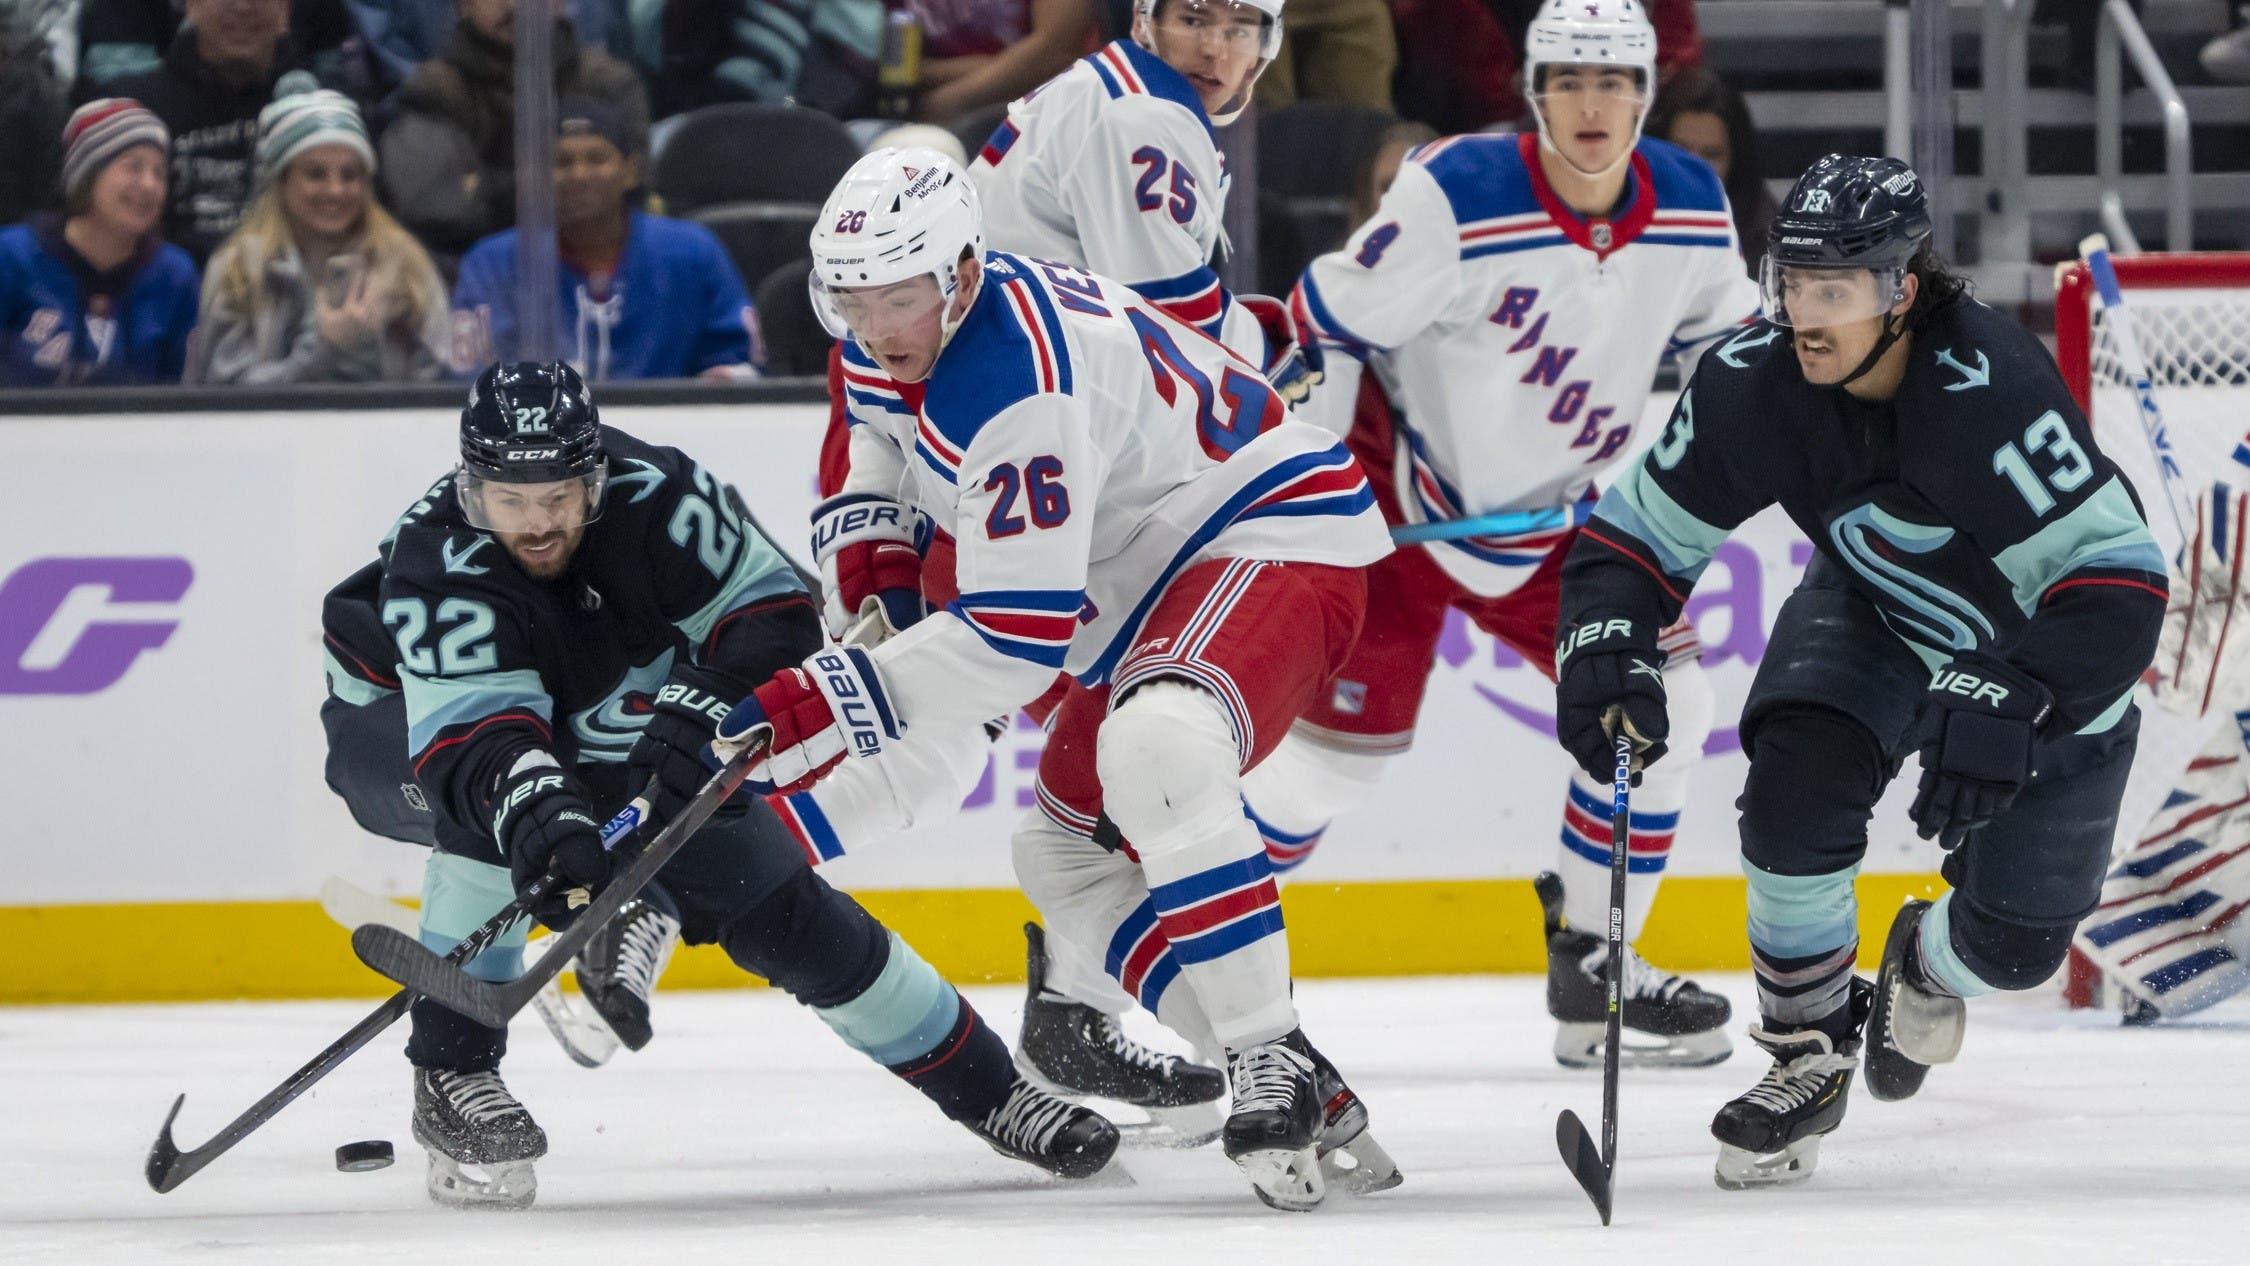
{"x":1590,"y":33}
{"x":1269,"y":43}
{"x":531,"y":422}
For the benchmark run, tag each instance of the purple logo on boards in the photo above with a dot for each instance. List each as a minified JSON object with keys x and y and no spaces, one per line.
{"x":35,"y":595}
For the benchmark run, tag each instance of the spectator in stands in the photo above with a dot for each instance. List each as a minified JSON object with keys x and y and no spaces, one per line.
{"x":978,"y":53}
{"x":121,"y":38}
{"x":821,"y":54}
{"x":642,"y":296}
{"x":225,"y":65}
{"x":449,"y":160}
{"x":1333,"y":50}
{"x":32,"y":114}
{"x":402,"y":34}
{"x":1380,"y":166}
{"x":1702,"y":114}
{"x":95,"y":295}
{"x":319,"y":284}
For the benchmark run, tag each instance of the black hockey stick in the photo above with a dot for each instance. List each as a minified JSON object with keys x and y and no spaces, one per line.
{"x":441,"y":980}
{"x":168,"y":1166}
{"x":1596,"y":1171}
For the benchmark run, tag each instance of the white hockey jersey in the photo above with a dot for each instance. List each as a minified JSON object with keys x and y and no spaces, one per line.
{"x":1082,"y":448}
{"x":1516,"y":339}
{"x":1112,"y":166}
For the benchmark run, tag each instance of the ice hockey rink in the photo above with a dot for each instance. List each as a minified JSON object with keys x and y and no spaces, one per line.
{"x":747,"y":1133}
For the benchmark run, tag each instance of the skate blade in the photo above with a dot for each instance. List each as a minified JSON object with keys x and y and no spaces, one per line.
{"x":1180,"y":1129}
{"x":1578,"y":1044}
{"x":507,"y":1185}
{"x":1359,"y":1166}
{"x":1286,"y":1180}
{"x":1929,"y":1032}
{"x":587,"y":1041}
{"x":1742,"y":1170}
{"x":1172,"y":1129}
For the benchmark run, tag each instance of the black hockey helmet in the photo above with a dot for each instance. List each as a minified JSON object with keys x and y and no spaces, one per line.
{"x":531,"y":422}
{"x":1846,"y":212}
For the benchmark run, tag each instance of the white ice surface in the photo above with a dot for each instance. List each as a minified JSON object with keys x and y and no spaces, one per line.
{"x":747,"y":1134}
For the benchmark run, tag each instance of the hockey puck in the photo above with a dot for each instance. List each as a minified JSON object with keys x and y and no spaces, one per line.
{"x":358,"y":1158}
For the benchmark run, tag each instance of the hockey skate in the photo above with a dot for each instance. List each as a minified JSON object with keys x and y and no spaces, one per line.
{"x":1277,"y":1122}
{"x":1071,"y":1049}
{"x":481,"y":1141}
{"x":1680,"y":1023}
{"x":1913,"y":1026}
{"x":618,"y":969}
{"x":1054,"y":1134}
{"x":1350,"y":1158}
{"x":1770,"y":1135}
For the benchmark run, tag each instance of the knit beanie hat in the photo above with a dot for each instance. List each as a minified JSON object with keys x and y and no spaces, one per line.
{"x":303,"y":116}
{"x":101,"y":130}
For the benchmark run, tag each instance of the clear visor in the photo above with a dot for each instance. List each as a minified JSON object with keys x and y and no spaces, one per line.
{"x":1818,"y":298}
{"x":1564,"y":85}
{"x":876,"y":313}
{"x":531,"y":509}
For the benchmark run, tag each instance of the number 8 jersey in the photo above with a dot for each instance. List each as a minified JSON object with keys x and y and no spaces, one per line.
{"x":1083,"y":448}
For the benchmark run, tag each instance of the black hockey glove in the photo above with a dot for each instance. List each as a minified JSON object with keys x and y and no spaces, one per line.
{"x":1609,"y":672}
{"x":1980,"y":721}
{"x":671,"y":748}
{"x":541,"y":820}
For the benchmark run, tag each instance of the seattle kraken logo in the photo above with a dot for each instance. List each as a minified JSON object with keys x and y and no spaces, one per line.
{"x":607,"y":731}
{"x":1921,"y":609}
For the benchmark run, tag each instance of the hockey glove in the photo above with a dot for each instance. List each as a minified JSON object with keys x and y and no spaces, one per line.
{"x":1609,"y":673}
{"x":869,"y":566}
{"x":687,"y":713}
{"x":542,"y":823}
{"x":810,"y":718}
{"x":1293,"y":365}
{"x":1980,"y":722}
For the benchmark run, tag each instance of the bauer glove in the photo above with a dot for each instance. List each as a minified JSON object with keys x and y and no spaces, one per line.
{"x":542,"y":823}
{"x":1980,"y":722}
{"x":809,"y":718}
{"x":1609,"y":674}
{"x":686,"y":714}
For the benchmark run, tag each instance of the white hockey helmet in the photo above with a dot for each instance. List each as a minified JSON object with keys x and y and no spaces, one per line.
{"x":897,"y":215}
{"x":1269,"y":44}
{"x":1591,"y":33}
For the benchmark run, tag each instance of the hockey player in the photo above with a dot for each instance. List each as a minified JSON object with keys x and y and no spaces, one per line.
{"x":1489,"y":338}
{"x":570,"y":610}
{"x":1985,"y":593}
{"x":1130,"y":505}
{"x":1113,"y":166}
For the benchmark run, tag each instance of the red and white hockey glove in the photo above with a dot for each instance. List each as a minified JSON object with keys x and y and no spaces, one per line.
{"x":810,"y":718}
{"x":869,"y":566}
{"x":1293,"y":365}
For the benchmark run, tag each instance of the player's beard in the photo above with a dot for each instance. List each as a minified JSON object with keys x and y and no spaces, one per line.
{"x":543,"y":556}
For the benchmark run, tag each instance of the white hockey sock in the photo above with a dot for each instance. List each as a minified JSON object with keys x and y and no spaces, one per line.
{"x":1300,"y":788}
{"x":1582,"y":859}
{"x":1170,"y":782}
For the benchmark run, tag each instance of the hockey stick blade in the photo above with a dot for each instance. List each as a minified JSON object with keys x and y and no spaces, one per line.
{"x":1584,"y":1160}
{"x":411,"y":963}
{"x":168,"y":1166}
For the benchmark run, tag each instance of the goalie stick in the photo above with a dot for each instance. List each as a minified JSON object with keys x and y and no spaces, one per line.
{"x":410,"y":963}
{"x":2094,"y":249}
{"x":1596,"y":1169}
{"x":168,"y":1166}
{"x":589,"y":1042}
